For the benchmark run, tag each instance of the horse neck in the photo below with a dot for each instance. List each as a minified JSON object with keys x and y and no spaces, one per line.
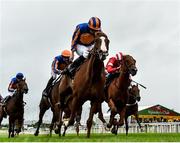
{"x":131,"y":99}
{"x":95,"y":68}
{"x":123,"y":79}
{"x":18,"y":97}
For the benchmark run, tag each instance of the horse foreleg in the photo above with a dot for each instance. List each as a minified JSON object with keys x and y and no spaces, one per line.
{"x":1,"y":118}
{"x":73,"y":110}
{"x":137,"y":119}
{"x":10,"y":126}
{"x":52,"y":125}
{"x":101,"y":117}
{"x":60,"y":121}
{"x":78,"y":119}
{"x":122,"y":116}
{"x":90,"y":119}
{"x":12,"y":131}
{"x":109,"y":125}
{"x":112,"y":106}
{"x":127,"y":127}
{"x":41,"y":114}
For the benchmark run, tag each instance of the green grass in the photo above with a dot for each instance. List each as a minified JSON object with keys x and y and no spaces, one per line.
{"x":138,"y":137}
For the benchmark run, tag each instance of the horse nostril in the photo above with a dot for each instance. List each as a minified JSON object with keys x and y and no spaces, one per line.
{"x":138,"y":98}
{"x":133,"y":71}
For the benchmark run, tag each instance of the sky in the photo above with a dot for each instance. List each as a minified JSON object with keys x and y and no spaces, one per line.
{"x":33,"y":32}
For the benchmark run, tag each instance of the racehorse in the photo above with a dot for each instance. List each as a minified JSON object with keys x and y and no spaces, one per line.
{"x":55,"y":101}
{"x":15,"y":107}
{"x":89,"y":82}
{"x":117,"y":91}
{"x":131,"y":107}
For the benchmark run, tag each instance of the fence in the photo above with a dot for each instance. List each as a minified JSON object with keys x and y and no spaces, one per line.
{"x":164,"y":127}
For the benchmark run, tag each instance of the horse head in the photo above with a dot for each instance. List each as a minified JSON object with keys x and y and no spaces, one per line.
{"x":101,"y":46}
{"x":22,"y":86}
{"x":135,"y":92}
{"x":129,"y":65}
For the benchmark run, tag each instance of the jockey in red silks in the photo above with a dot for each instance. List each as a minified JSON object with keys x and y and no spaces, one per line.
{"x":13,"y":86}
{"x":82,"y":42}
{"x":58,"y":65}
{"x":112,"y":67}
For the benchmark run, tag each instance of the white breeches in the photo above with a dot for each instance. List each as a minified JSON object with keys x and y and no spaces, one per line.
{"x":10,"y":93}
{"x":83,"y":50}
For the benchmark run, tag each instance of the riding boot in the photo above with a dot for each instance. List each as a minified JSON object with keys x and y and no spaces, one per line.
{"x":74,"y":66}
{"x":109,"y":78}
{"x":48,"y":86}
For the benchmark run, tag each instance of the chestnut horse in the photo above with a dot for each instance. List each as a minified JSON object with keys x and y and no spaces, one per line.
{"x":118,"y":89}
{"x":15,"y":107}
{"x":131,"y":107}
{"x":89,"y":82}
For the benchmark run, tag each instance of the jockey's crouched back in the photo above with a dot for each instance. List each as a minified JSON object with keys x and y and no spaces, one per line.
{"x":83,"y":40}
{"x":58,"y":65}
{"x":112,"y":67}
{"x":12,"y":87}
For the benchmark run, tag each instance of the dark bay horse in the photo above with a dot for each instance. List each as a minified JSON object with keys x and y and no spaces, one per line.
{"x":15,"y":107}
{"x":131,"y":107}
{"x":118,"y":89}
{"x":89,"y":82}
{"x":55,"y":101}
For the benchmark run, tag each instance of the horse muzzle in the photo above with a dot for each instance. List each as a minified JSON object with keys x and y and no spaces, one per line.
{"x":133,"y":71}
{"x":26,"y":91}
{"x":138,"y":98}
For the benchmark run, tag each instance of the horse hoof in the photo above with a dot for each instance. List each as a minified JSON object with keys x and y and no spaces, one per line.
{"x":109,"y":125}
{"x":56,"y":131}
{"x":12,"y":135}
{"x":120,"y":123}
{"x":36,"y":134}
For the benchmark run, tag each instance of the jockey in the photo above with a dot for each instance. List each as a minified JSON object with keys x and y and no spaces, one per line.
{"x":13,"y":86}
{"x":59,"y":63}
{"x":112,"y":67}
{"x":82,"y":42}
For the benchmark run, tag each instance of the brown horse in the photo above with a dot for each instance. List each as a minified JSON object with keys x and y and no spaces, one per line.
{"x":15,"y":107}
{"x":117,"y":90}
{"x":131,"y":107}
{"x":89,"y":82}
{"x":55,"y":101}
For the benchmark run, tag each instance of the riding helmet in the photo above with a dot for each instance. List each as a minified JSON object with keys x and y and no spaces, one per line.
{"x":66,"y":53}
{"x":19,"y":76}
{"x":94,"y":23}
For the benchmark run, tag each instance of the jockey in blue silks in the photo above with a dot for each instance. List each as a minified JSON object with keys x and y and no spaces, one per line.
{"x":82,"y":42}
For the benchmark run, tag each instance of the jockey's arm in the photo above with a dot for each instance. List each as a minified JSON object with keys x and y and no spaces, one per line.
{"x":74,"y":39}
{"x":72,"y":56}
{"x":110,"y":69}
{"x":56,"y":70}
{"x":110,"y":66}
{"x":11,"y":87}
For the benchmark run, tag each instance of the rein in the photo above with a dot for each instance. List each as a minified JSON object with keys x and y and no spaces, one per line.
{"x":132,"y":104}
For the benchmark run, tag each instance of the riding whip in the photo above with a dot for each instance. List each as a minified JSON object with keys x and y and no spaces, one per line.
{"x":139,"y":84}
